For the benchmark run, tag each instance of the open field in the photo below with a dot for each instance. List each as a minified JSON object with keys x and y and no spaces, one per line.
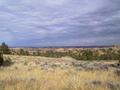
{"x":59,"y":44}
{"x":41,"y":73}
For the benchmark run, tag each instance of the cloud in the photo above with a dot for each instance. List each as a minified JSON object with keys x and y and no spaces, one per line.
{"x":59,"y":22}
{"x":55,"y":2}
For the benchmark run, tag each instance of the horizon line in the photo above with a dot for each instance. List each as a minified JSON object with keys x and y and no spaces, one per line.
{"x":82,"y":46}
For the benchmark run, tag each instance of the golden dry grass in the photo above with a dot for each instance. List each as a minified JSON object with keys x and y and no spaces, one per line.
{"x":37,"y":79}
{"x":58,"y":79}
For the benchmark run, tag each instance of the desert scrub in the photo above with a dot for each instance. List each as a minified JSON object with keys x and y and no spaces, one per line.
{"x":84,"y":54}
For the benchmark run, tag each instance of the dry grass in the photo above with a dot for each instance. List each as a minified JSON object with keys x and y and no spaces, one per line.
{"x":37,"y":79}
{"x":58,"y":79}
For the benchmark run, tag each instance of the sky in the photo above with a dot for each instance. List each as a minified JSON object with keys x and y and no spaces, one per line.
{"x":59,"y":22}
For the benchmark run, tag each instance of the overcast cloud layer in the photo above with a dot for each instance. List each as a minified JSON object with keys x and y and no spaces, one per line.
{"x":59,"y":22}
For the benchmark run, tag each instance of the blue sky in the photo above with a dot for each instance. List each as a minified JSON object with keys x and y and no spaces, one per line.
{"x":59,"y":22}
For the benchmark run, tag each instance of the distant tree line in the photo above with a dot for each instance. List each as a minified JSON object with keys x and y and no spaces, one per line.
{"x":84,"y":54}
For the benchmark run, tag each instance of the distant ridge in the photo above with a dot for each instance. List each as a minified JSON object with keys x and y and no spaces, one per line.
{"x":102,"y":46}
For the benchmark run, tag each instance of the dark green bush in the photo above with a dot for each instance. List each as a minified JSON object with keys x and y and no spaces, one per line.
{"x":4,"y":49}
{"x":1,"y":59}
{"x":23,"y":52}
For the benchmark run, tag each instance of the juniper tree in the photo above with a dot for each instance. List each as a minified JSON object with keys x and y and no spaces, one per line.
{"x":1,"y":59}
{"x":4,"y":49}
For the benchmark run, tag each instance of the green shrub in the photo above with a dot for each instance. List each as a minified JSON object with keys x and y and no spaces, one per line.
{"x":4,"y":49}
{"x":23,"y":52}
{"x":1,"y":59}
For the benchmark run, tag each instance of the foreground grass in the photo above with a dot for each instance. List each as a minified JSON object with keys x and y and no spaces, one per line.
{"x":33,"y":73}
{"x":37,"y":79}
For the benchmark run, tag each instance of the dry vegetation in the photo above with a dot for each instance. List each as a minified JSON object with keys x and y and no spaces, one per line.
{"x":41,"y":73}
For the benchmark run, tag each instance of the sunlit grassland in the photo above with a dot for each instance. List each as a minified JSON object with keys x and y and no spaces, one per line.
{"x":24,"y":74}
{"x":37,"y":79}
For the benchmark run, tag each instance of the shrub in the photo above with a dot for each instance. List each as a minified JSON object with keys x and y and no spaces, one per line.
{"x":4,"y":49}
{"x":1,"y":59}
{"x":87,"y":55}
{"x":22,"y":52}
{"x":7,"y":61}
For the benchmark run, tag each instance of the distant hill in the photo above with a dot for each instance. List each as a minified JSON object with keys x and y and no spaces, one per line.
{"x":97,"y":46}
